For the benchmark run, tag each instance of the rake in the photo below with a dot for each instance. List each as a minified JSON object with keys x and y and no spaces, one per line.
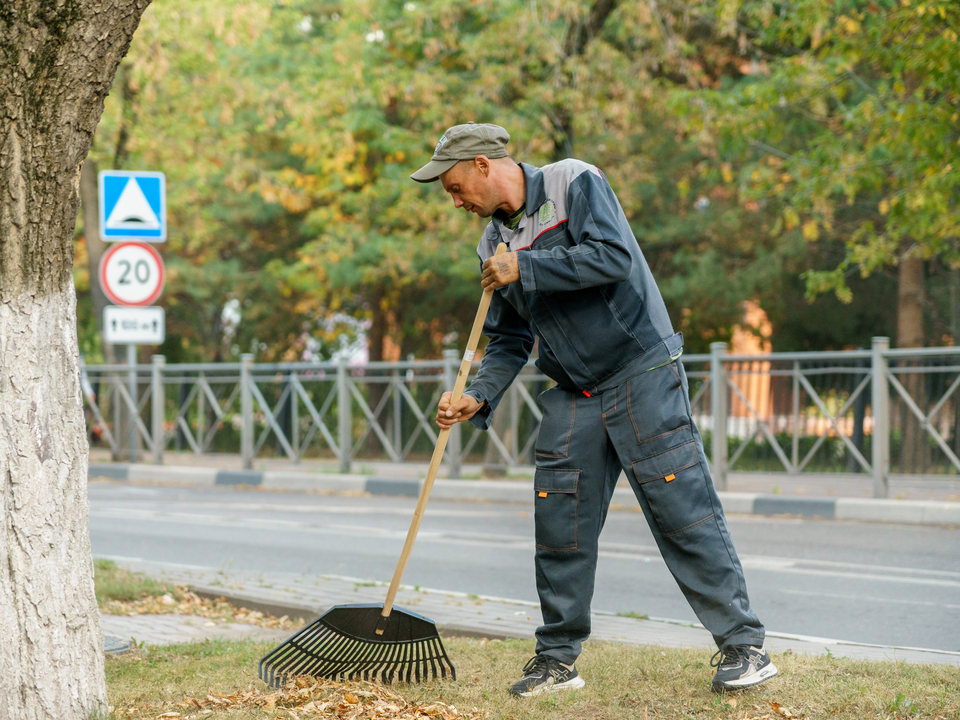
{"x":374,"y":641}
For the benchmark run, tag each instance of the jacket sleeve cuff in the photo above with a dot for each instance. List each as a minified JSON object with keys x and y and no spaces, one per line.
{"x":481,"y":420}
{"x":528,"y":280}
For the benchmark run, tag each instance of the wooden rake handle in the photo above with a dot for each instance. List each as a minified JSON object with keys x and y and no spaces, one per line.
{"x":461,"y":382}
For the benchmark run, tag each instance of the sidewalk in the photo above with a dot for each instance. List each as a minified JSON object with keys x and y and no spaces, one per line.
{"x":405,"y":479}
{"x":811,"y":485}
{"x":456,"y":614}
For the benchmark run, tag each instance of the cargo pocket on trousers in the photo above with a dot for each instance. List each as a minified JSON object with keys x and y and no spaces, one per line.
{"x":556,"y":425}
{"x":675,"y":488}
{"x":556,"y":504}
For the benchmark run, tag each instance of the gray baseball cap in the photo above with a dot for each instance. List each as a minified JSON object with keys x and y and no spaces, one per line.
{"x":464,"y":142}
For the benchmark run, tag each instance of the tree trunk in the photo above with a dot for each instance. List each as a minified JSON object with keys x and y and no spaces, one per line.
{"x":910,"y":303}
{"x":579,"y":34}
{"x":58,"y":64}
{"x":914,"y":454}
{"x":375,"y":338}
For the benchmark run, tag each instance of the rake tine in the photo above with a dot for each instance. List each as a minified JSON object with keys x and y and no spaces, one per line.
{"x":328,"y":665}
{"x":299,"y":649}
{"x":421,"y":667}
{"x":380,"y":660}
{"x":449,"y":665}
{"x":433,"y":660}
{"x":411,"y":662}
{"x":313,"y":656}
{"x":362,"y":657}
{"x":359,"y":660}
{"x":386,"y":675}
{"x":298,"y":664}
{"x":376,"y":660}
{"x":435,"y":664}
{"x":396,"y":661}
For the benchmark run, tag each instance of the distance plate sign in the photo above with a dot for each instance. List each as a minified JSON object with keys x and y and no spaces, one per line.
{"x":133,"y":325}
{"x":131,"y":273}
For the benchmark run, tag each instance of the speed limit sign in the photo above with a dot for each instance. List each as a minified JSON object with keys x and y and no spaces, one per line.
{"x":131,"y":273}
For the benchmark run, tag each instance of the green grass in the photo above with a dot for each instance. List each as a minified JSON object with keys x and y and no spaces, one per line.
{"x":623,"y":683}
{"x":113,"y":582}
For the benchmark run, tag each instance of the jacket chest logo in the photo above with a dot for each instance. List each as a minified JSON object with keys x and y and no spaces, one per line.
{"x":548,"y":212}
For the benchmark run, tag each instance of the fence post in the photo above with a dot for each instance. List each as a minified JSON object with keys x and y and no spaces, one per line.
{"x":881,"y":418}
{"x":158,"y":403}
{"x":295,"y":416}
{"x":344,"y":420}
{"x":246,"y":410}
{"x":718,"y":403}
{"x":132,"y":432}
{"x":451,"y":367}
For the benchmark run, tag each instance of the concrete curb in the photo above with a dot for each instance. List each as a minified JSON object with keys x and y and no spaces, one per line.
{"x":922,"y":512}
{"x":686,"y":632}
{"x":462,"y":614}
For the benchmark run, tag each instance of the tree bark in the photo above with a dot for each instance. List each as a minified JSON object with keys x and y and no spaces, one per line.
{"x":57,"y":65}
{"x":910,"y":302}
{"x":914,"y":453}
{"x":375,"y":340}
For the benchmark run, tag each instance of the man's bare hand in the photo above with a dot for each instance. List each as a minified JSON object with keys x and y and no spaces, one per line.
{"x":500,"y":270}
{"x":449,"y":415}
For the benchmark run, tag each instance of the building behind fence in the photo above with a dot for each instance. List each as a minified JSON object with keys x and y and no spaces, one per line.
{"x":880,"y":412}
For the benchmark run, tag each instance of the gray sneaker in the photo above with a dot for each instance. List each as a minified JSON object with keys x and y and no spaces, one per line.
{"x":741,"y":666}
{"x":546,"y":674}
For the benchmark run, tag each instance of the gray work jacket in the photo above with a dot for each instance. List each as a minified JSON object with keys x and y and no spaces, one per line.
{"x":585,"y":290}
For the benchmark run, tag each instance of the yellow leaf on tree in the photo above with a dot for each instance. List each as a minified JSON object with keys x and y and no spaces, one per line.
{"x":790,"y":218}
{"x":810,"y":230}
{"x":884,"y":207}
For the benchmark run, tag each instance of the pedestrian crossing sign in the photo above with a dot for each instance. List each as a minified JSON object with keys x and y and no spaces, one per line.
{"x":133,"y":206}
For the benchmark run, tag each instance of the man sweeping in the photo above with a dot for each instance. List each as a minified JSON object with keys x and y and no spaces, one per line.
{"x":576,"y":280}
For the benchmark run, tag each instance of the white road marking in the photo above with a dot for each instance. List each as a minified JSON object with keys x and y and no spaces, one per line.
{"x":620,"y":551}
{"x":867,"y":598}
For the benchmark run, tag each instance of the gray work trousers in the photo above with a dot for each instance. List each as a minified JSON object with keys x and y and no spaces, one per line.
{"x":644,"y":427}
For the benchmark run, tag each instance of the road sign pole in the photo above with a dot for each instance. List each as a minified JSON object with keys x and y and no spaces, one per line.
{"x":132,"y":389}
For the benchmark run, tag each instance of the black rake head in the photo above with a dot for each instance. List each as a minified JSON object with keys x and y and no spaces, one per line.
{"x":343,"y":644}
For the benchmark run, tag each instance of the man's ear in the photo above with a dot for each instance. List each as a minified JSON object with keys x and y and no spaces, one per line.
{"x":482,"y":163}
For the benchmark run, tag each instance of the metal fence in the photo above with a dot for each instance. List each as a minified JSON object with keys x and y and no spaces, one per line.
{"x":876,"y":412}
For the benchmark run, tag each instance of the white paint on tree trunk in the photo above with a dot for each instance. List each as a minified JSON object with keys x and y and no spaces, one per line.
{"x":51,"y":648}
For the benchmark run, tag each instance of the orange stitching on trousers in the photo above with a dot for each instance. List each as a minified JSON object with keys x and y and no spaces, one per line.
{"x":689,"y":527}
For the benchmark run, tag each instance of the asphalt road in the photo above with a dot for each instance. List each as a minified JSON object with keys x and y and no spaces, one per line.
{"x":865,"y":582}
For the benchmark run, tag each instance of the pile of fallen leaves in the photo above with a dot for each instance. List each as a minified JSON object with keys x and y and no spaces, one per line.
{"x":184,"y":602}
{"x":308,"y":697}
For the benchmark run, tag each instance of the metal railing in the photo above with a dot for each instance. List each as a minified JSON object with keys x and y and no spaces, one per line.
{"x":861,"y":411}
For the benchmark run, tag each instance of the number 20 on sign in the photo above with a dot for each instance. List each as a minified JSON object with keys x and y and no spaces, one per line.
{"x":132,"y":274}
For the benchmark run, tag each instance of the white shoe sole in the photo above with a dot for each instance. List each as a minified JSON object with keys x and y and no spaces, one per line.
{"x":574,"y":684}
{"x":764,"y":674}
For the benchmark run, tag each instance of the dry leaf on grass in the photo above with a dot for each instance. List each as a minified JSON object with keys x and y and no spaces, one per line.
{"x":308,"y":698}
{"x":184,"y":602}
{"x":782,"y":711}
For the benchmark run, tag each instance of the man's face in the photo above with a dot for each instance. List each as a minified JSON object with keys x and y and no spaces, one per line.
{"x":469,"y":187}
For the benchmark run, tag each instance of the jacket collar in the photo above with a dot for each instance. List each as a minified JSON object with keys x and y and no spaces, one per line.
{"x":536,"y":193}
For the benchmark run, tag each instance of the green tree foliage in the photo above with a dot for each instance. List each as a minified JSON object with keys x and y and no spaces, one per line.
{"x":749,"y":144}
{"x":846,"y":128}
